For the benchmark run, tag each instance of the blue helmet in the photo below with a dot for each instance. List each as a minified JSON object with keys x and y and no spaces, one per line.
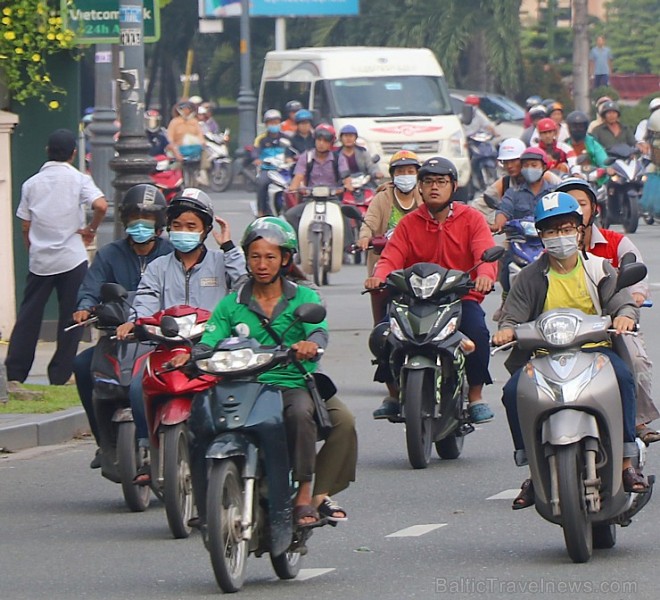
{"x":348,"y":129}
{"x":303,"y":115}
{"x":556,"y":204}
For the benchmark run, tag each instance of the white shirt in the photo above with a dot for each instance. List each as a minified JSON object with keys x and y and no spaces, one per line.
{"x":54,"y":201}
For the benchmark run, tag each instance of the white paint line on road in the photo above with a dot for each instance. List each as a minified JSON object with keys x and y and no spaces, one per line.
{"x":416,"y":530}
{"x":306,"y":574}
{"x":505,"y":495}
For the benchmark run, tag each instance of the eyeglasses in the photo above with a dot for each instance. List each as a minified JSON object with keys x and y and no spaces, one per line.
{"x":568,"y":230}
{"x":435,"y":181}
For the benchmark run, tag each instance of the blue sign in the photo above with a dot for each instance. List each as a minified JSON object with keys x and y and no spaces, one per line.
{"x":221,"y":8}
{"x":304,"y":8}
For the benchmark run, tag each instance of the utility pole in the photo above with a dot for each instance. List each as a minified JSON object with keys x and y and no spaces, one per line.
{"x":580,"y":18}
{"x":247,"y":103}
{"x":133,"y":163}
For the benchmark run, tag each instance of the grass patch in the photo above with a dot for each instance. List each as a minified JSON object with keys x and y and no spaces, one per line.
{"x":56,"y":397}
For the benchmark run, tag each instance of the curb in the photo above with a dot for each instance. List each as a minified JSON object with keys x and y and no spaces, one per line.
{"x":27,"y":431}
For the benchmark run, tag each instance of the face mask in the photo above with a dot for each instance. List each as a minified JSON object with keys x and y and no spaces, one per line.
{"x":561,"y":246}
{"x":578,"y":134}
{"x":273,"y":129}
{"x":405,"y":182}
{"x":185,"y":241}
{"x":531,"y":174}
{"x":141,"y":231}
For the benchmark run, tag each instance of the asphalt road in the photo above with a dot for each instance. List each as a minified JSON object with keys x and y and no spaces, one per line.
{"x":444,"y":532}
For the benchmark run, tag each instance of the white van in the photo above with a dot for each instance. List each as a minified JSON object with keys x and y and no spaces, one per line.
{"x":395,"y":97}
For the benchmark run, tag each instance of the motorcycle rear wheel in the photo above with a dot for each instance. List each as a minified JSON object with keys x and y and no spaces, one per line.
{"x":630,"y":216}
{"x":135,"y":496}
{"x":224,"y":504}
{"x":177,"y":485}
{"x":450,"y":447}
{"x":575,"y":523}
{"x":221,"y":177}
{"x":286,"y":565}
{"x":419,"y":428}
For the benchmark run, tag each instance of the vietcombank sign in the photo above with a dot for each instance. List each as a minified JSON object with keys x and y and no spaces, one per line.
{"x":97,"y":21}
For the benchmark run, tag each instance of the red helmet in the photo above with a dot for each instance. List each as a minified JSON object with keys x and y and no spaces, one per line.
{"x":546,"y":124}
{"x":326,"y":132}
{"x":472,"y":100}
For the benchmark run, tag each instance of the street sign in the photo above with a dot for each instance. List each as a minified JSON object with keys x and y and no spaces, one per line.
{"x":97,"y":21}
{"x":307,"y":8}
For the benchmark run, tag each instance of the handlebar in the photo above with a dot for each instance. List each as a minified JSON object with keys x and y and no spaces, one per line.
{"x":84,"y":323}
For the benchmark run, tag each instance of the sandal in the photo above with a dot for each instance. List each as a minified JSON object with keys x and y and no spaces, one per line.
{"x":633,"y":481}
{"x":328,"y":509}
{"x":143,"y":476}
{"x":648,"y":435}
{"x":526,"y":496}
{"x":304,"y":511}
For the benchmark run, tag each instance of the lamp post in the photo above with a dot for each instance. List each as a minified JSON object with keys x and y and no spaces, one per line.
{"x":247,"y":103}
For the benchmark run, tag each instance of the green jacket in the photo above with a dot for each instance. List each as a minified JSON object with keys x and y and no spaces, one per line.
{"x":239,"y":314}
{"x":595,"y":150}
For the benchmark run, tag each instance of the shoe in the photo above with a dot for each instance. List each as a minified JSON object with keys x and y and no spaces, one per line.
{"x":526,"y":496}
{"x":389,"y":408}
{"x":328,"y":509}
{"x":96,"y":461}
{"x":480,"y":412}
{"x":648,"y":435}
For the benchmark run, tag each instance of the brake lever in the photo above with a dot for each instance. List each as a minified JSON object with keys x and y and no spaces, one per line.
{"x":503,"y":347}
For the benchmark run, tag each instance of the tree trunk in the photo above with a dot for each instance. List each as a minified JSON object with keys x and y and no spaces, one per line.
{"x":580,"y":55}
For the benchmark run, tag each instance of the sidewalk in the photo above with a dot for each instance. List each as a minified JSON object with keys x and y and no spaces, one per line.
{"x":20,"y":431}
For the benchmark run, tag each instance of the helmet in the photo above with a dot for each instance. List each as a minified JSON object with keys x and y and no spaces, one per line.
{"x":555,"y":106}
{"x":577,"y":183}
{"x":535,"y":153}
{"x":273,"y":229}
{"x":348,"y":129}
{"x":601,"y":100}
{"x":292,"y":106}
{"x":437,"y":166}
{"x":555,"y":204}
{"x":402,"y":158}
{"x":184,"y":105}
{"x":546,"y":124}
{"x":144,"y":199}
{"x":577,"y":117}
{"x":472,"y":100}
{"x":533,"y":101}
{"x":192,"y":199}
{"x":88,"y":118}
{"x":653,"y":123}
{"x":654,"y":104}
{"x":271,"y":114}
{"x":152,"y":120}
{"x":378,"y":339}
{"x":511,"y":149}
{"x":608,"y":106}
{"x":303,"y":115}
{"x":196,"y":100}
{"x":548,"y":102}
{"x":325,"y":132}
{"x":538,"y":112}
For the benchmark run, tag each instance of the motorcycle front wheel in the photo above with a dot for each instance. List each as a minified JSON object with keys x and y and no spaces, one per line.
{"x":419,"y":427}
{"x":575,"y":523}
{"x":317,"y":258}
{"x":220,"y":177}
{"x":177,"y":485}
{"x":224,"y":504}
{"x":630,"y":216}
{"x":128,"y":461}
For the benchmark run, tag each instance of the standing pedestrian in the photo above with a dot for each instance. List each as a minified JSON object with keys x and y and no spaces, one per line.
{"x":52,"y":211}
{"x":600,"y":63}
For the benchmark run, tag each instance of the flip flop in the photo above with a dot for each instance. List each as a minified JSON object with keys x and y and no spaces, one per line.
{"x":526,"y":496}
{"x":633,"y":481}
{"x":648,"y":435}
{"x":143,"y":476}
{"x":328,"y":508}
{"x":302,"y":511}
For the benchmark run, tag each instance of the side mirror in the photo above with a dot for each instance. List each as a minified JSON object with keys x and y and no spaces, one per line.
{"x":351,"y":212}
{"x":375,"y":158}
{"x":113,"y":292}
{"x":285,"y":141}
{"x":310,"y":313}
{"x":169,"y":326}
{"x":492,"y":254}
{"x":630,"y":274}
{"x":627,"y":259}
{"x":583,"y":158}
{"x":467,"y":114}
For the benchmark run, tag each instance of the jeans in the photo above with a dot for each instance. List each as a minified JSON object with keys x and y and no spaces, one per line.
{"x":136,"y":396}
{"x":82,"y":369}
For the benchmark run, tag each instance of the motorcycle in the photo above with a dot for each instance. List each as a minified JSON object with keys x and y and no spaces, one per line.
{"x":360,"y":198}
{"x":166,"y":177}
{"x":524,"y":243}
{"x":244,"y":167}
{"x":425,"y":351}
{"x":114,"y":364}
{"x":483,"y":159}
{"x":191,"y":164}
{"x":167,"y":397}
{"x":221,"y":172}
{"x":623,"y":189}
{"x":280,"y":175}
{"x":572,"y":424}
{"x":250,"y":489}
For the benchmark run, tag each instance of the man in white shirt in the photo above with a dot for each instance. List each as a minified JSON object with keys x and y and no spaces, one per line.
{"x":53,"y":214}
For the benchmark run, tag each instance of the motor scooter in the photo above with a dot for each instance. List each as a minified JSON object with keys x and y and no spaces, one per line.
{"x":360,"y":198}
{"x":221,"y":172}
{"x":166,"y":177}
{"x":483,"y":159}
{"x":280,"y":175}
{"x":525,"y":246}
{"x":571,"y":419}
{"x":239,"y":422}
{"x":244,"y":167}
{"x":168,"y":395}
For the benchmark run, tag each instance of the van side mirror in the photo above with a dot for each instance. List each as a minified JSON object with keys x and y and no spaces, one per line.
{"x":467,"y":114}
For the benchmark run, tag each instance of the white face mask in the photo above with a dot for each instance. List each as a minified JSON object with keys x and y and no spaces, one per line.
{"x":405,"y":183}
{"x":562,"y":246}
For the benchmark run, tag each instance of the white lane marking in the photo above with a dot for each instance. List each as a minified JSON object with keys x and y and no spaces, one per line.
{"x":416,"y":530}
{"x":306,"y":574}
{"x":505,"y":495}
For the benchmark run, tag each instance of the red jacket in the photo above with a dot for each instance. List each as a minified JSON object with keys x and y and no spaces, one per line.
{"x":610,"y":251}
{"x":458,"y":243}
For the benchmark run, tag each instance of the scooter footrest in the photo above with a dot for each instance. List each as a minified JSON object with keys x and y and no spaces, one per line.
{"x":397,"y":419}
{"x":465,"y":429}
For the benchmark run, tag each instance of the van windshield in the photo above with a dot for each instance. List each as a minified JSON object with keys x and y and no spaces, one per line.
{"x":396,"y":96}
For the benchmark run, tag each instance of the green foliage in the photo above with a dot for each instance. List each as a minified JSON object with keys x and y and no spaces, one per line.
{"x":55,"y":397}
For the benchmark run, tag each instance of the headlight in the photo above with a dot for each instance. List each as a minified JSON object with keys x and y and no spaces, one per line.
{"x":560,"y":330}
{"x":423,"y":287}
{"x":529,"y":228}
{"x":616,"y":178}
{"x":395,"y":328}
{"x":226,"y":361}
{"x":447,"y":330}
{"x":188,"y":328}
{"x":319,"y":208}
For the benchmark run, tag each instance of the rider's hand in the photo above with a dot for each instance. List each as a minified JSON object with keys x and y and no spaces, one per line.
{"x":180,"y":359}
{"x":124,"y":330}
{"x":305,"y":350}
{"x":224,"y":235}
{"x":483,"y":284}
{"x":362,"y":243}
{"x":622,"y":324}
{"x":503,"y":336}
{"x":81,"y":315}
{"x":637,"y":297}
{"x":373,"y":283}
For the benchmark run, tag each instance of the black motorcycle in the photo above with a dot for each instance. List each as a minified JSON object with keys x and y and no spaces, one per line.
{"x":425,"y":353}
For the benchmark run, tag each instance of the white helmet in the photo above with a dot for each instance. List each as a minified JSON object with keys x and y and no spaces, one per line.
{"x":653,"y":123}
{"x":510,"y":149}
{"x":271,"y":114}
{"x":654,"y":104}
{"x":196,"y":100}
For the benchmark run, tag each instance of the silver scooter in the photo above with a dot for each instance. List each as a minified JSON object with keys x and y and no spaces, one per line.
{"x":571,"y":419}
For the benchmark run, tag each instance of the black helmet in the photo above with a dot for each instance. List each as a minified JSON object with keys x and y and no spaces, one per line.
{"x":144,"y":199}
{"x":607,"y":107}
{"x":292,"y":106}
{"x":577,"y":117}
{"x":192,"y":199}
{"x":437,"y":166}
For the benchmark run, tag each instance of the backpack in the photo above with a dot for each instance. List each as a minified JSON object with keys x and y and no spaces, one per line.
{"x":310,"y":165}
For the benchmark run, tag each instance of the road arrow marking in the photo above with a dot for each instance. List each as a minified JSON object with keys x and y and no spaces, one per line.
{"x":306,"y":574}
{"x":505,"y":495}
{"x":416,"y":530}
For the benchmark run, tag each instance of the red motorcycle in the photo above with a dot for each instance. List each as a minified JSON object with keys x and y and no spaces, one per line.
{"x":360,"y":198}
{"x":168,"y":397}
{"x":166,"y":178}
